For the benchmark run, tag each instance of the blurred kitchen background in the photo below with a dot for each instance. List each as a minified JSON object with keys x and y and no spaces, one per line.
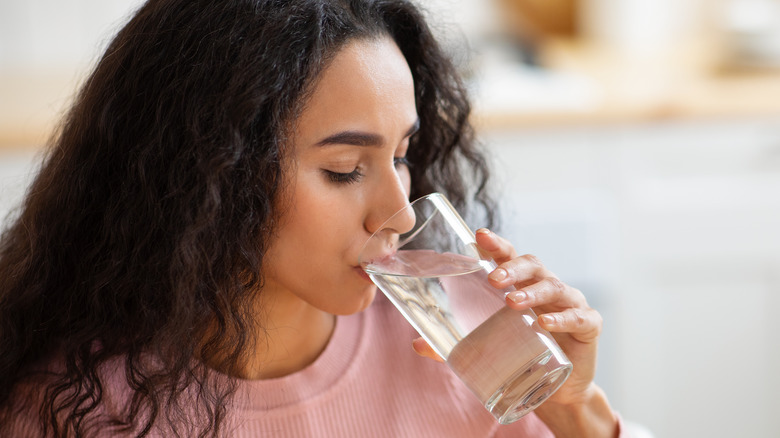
{"x":637,"y":144}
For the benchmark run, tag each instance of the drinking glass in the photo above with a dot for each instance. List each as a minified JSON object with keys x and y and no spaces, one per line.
{"x":425,"y":259}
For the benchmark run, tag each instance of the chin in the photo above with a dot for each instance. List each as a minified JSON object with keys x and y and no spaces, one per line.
{"x":360,"y":302}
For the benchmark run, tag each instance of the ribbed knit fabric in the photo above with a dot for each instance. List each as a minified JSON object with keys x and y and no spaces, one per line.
{"x":368,"y":382}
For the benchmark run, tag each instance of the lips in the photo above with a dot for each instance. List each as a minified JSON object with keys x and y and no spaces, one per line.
{"x":362,"y":273}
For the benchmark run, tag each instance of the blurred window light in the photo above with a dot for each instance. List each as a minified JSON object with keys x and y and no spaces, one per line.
{"x":752,"y":15}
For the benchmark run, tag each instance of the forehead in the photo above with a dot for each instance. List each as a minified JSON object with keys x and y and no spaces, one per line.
{"x":366,"y":86}
{"x":374,"y":62}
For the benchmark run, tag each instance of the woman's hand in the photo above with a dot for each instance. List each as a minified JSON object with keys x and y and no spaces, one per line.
{"x":579,"y":408}
{"x":562,"y":310}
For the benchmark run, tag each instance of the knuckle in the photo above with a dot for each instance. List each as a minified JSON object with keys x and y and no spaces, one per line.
{"x":533,"y":260}
{"x":555,"y":284}
{"x":588,"y":320}
{"x":579,"y":317}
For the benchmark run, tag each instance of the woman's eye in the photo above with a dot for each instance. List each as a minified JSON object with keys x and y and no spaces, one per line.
{"x":401,"y":161}
{"x":343,"y":178}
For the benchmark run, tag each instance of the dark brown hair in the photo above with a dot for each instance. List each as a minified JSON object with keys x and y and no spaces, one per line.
{"x":142,"y":237}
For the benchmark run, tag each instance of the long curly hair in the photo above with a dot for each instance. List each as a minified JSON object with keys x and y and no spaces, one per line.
{"x":141,"y":240}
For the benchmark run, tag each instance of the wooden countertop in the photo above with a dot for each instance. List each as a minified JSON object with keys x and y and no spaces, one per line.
{"x":673,"y":86}
{"x":689,"y":83}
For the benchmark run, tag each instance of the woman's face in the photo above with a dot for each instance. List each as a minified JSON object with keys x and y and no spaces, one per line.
{"x":346,"y":176}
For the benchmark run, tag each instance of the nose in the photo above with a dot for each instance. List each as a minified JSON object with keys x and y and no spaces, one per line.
{"x":390,"y":214}
{"x":390,"y":209}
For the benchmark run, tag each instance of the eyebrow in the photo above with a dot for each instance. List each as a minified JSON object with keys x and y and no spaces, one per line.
{"x":360,"y":138}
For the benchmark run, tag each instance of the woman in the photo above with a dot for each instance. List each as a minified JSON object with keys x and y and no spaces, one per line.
{"x":179,"y":263}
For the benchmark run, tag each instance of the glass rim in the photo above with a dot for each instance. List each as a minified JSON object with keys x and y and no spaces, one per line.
{"x":411,"y":233}
{"x":441,"y":208}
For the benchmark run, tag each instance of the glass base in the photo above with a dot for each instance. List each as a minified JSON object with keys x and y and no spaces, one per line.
{"x":528,"y":388}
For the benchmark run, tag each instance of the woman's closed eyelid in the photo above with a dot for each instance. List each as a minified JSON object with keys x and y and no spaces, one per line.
{"x":356,"y":174}
{"x":343,"y":177}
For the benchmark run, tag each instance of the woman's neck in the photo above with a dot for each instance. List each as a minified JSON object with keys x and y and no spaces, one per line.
{"x":292,"y":335}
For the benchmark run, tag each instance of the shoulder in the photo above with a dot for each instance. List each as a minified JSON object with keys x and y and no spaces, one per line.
{"x":21,"y":414}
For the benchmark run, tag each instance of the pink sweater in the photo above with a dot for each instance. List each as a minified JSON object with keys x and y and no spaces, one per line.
{"x":367,"y":383}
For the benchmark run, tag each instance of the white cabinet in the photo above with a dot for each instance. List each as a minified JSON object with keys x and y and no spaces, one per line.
{"x":672,"y":230}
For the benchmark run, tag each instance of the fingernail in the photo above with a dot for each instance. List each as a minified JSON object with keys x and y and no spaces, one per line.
{"x":483,"y":231}
{"x":547,"y":319}
{"x":498,"y":275}
{"x":417,"y":345}
{"x":518,"y":297}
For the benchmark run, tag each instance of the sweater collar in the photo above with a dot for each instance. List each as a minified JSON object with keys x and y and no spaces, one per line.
{"x":321,"y":376}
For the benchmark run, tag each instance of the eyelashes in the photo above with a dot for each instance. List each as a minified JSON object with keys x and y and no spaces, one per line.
{"x":356,"y":175}
{"x":343,"y":178}
{"x":401,"y":161}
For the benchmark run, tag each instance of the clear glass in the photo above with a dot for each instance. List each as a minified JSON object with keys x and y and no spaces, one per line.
{"x":426,"y":261}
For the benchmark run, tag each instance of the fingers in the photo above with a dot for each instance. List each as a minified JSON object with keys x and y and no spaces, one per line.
{"x":536,"y":284}
{"x":583,"y":324}
{"x":423,"y":349}
{"x":519,"y":272}
{"x":496,"y":246}
{"x":549,"y":292}
{"x":513,"y":270}
{"x":561,"y":308}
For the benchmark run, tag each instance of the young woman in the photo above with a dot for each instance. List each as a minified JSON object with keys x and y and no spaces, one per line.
{"x":185,"y":263}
